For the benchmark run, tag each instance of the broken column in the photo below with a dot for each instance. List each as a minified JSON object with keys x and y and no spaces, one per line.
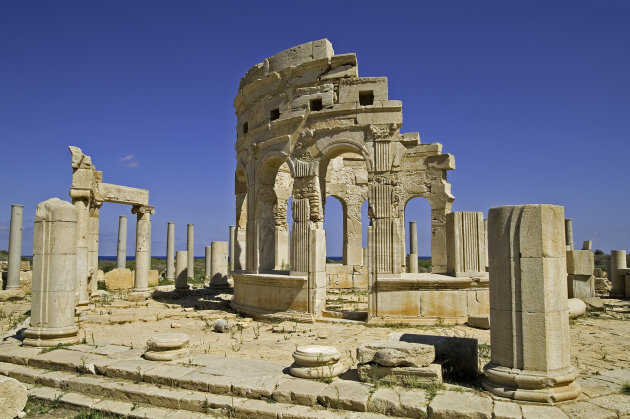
{"x":15,"y":247}
{"x":231,"y":251}
{"x":568,"y":231}
{"x":190,"y":247}
{"x":170,"y":251}
{"x":529,"y":335}
{"x":412,"y":258}
{"x":181,"y":279}
{"x":580,"y":279}
{"x":617,"y":279}
{"x":54,"y":271}
{"x":121,"y":255}
{"x":143,"y":247}
{"x":466,"y":244}
{"x":218,"y":264}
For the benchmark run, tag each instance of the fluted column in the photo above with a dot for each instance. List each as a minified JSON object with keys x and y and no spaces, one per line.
{"x":93,"y":225}
{"x":143,"y":247}
{"x":15,"y":247}
{"x":121,"y":254}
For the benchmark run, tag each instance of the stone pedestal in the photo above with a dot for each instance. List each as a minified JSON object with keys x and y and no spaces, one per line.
{"x":466,"y":244}
{"x":54,"y":272}
{"x":121,"y":254}
{"x":170,"y":252}
{"x":190,"y":247}
{"x":143,"y":248}
{"x":15,"y":247}
{"x":218,"y":263}
{"x":529,"y":321}
{"x":617,"y":279}
{"x":167,"y":347}
{"x":181,"y":262}
{"x":316,"y":361}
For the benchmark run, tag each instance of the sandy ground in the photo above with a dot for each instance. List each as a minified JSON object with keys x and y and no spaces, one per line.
{"x":597,"y":343}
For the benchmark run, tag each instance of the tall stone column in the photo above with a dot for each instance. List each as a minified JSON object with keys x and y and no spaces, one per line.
{"x":208,"y":262}
{"x":412,"y":258}
{"x":529,"y":335}
{"x":121,"y":255}
{"x":143,"y":247}
{"x":218,"y":264}
{"x":54,"y":271}
{"x":617,"y":261}
{"x":170,"y":251}
{"x":93,"y":224}
{"x":81,"y":201}
{"x":568,"y":232}
{"x":231,"y":252}
{"x":181,"y":279}
{"x":190,"y":246}
{"x":15,"y":247}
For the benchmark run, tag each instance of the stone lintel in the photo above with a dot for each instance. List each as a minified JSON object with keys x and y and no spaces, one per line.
{"x":124,"y":194}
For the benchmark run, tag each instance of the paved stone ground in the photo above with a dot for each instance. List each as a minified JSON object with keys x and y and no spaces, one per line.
{"x":119,"y":329}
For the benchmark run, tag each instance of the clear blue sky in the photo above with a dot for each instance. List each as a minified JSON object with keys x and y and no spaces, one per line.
{"x":532,"y":98}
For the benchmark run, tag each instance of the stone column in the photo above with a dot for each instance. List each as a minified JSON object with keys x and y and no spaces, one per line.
{"x":181,"y":279}
{"x":54,"y":272}
{"x":568,"y":232}
{"x":352,"y":250}
{"x":282,"y":248}
{"x":15,"y":247}
{"x":218,"y":264}
{"x":387,"y":250}
{"x":81,"y":201}
{"x":466,"y":244}
{"x":617,"y":279}
{"x":170,"y":251}
{"x":208,"y":262}
{"x":93,"y":224}
{"x":412,"y":258}
{"x":231,"y":251}
{"x":143,"y":247}
{"x":121,"y":256}
{"x":190,"y":246}
{"x":529,"y":320}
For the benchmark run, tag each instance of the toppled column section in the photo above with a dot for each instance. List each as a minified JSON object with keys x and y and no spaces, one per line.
{"x":54,"y":271}
{"x":529,"y":335}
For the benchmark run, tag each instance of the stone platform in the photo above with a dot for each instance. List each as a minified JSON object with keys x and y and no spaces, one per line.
{"x":114,"y":379}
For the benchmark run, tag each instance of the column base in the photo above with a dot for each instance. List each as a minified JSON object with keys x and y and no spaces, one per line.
{"x":139,"y":294}
{"x":45,"y":336}
{"x":532,"y":386}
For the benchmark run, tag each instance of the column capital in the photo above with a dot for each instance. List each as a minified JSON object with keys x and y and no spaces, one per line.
{"x":79,"y":194}
{"x":143,"y":209}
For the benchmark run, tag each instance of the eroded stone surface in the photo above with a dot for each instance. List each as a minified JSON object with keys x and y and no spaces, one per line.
{"x":449,"y":404}
{"x":396,"y":353}
{"x":12,"y":397}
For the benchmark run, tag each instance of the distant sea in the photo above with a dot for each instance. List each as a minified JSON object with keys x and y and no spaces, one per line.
{"x":203,"y":257}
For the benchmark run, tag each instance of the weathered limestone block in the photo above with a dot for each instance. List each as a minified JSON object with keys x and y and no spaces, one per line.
{"x":528,"y":305}
{"x":452,"y":404}
{"x":479,"y":322}
{"x":581,"y":286}
{"x":153,"y":278}
{"x":396,"y":354}
{"x":54,"y":273}
{"x":466,"y":244}
{"x":119,"y":279}
{"x":580,"y":262}
{"x":167,"y":347}
{"x":13,"y":397}
{"x":369,"y":373}
{"x":123,"y":194}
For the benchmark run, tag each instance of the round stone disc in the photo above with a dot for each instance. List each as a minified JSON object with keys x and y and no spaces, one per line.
{"x":315,"y":355}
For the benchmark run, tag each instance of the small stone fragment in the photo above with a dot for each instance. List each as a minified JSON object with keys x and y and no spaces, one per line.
{"x":395,"y":354}
{"x":175,"y":325}
{"x":221,"y":326}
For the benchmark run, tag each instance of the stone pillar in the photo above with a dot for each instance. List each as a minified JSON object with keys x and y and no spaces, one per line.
{"x":218,"y":265}
{"x":568,"y":232}
{"x":190,"y":247}
{"x":143,"y":248}
{"x":81,"y":201}
{"x":282,"y":248}
{"x":121,"y":255}
{"x":617,"y":279}
{"x":208,"y":262}
{"x":466,"y":244}
{"x":54,"y":272}
{"x":15,"y":247}
{"x":231,"y":251}
{"x":181,"y":279}
{"x":170,"y":251}
{"x":529,"y":320}
{"x":386,"y":252}
{"x":412,"y":258}
{"x":352,"y":250}
{"x":93,"y":224}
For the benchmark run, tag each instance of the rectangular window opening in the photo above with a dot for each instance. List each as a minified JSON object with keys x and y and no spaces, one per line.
{"x":274,"y":114}
{"x":245,"y":128}
{"x":315,"y":104}
{"x":366,"y":97}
